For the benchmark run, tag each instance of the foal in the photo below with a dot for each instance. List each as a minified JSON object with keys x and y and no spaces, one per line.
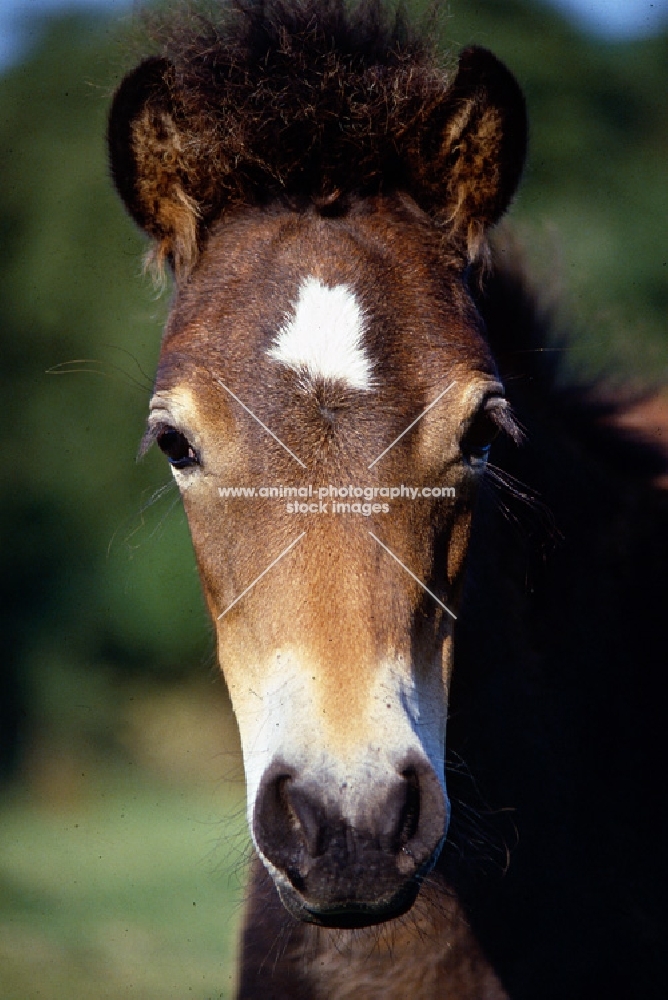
{"x":323,"y":193}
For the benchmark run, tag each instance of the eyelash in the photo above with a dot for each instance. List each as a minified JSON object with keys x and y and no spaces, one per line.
{"x":492,"y":417}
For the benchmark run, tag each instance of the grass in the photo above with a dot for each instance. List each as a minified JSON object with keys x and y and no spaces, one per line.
{"x":130,"y":887}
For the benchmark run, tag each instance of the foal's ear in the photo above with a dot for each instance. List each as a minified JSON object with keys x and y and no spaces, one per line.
{"x":149,"y":154}
{"x":474,"y":146}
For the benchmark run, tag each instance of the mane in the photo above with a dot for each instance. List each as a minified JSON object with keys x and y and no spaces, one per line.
{"x":562,"y":611}
{"x":530,"y":346}
{"x":309,"y":99}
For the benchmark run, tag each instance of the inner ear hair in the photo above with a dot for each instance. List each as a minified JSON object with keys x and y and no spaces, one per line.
{"x":474,"y":148}
{"x":150,"y":162}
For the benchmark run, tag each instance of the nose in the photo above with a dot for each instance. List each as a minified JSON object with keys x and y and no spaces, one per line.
{"x":334,"y":868}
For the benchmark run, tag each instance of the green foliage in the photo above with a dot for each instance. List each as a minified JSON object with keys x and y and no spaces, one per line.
{"x":595,"y":196}
{"x":88,"y":579}
{"x":92,"y":584}
{"x":125,"y":898}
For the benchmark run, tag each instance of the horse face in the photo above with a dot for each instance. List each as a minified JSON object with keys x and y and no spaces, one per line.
{"x":300,"y":351}
{"x":327,"y":340}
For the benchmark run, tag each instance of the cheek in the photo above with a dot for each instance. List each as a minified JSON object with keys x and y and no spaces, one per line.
{"x":209,"y":575}
{"x":241,"y":659}
{"x":457,"y":549}
{"x":225,"y":562}
{"x":447,"y":660}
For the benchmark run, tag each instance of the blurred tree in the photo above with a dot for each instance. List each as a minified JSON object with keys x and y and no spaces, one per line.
{"x":596,"y":175}
{"x":91,"y":590}
{"x":94,"y":589}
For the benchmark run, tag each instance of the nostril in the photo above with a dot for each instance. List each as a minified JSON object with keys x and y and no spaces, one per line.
{"x":398,"y":816}
{"x":409,"y":817}
{"x":310,"y":820}
{"x":290,"y":824}
{"x":296,"y":878}
{"x":423,"y":816}
{"x":275,"y":826}
{"x":276,"y":790}
{"x":285,"y":826}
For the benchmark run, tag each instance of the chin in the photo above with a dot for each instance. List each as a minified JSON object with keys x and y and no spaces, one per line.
{"x":348,"y":914}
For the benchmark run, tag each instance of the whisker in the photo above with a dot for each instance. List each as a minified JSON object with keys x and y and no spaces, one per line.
{"x":84,"y":368}
{"x":147,"y":378}
{"x":153,"y":499}
{"x":502,"y":483}
{"x":514,"y":486}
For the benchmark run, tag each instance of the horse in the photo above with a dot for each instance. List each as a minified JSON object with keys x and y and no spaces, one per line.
{"x":405,"y":519}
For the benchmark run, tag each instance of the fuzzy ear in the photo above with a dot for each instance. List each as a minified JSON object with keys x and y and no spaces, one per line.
{"x":149,"y":154}
{"x":473,"y":147}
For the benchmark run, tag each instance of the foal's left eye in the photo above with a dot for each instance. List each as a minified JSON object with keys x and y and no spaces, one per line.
{"x":175,"y":445}
{"x":478,"y":436}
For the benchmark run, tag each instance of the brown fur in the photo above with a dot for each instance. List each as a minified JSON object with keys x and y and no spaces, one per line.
{"x":429,"y":954}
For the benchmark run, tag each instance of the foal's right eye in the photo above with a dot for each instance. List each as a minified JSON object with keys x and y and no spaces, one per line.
{"x":175,"y":445}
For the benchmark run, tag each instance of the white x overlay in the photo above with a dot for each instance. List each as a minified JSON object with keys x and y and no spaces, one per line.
{"x":263,"y":426}
{"x":419,"y":417}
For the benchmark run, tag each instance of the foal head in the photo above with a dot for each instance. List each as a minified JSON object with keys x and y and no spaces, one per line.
{"x":322,"y":338}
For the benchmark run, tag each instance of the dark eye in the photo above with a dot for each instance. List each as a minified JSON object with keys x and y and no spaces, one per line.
{"x":480,"y":433}
{"x":175,"y":445}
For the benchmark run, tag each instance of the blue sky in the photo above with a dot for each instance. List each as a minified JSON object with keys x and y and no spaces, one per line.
{"x":617,"y":17}
{"x":609,"y":18}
